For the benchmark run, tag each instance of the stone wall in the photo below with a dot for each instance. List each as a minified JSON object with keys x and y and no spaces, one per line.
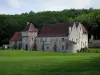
{"x":94,"y":43}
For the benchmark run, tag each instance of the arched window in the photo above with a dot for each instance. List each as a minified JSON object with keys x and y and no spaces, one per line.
{"x":26,"y":47}
{"x":55,"y":47}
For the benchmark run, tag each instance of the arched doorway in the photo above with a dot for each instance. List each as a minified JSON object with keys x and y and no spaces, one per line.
{"x":55,"y":48}
{"x":26,"y":47}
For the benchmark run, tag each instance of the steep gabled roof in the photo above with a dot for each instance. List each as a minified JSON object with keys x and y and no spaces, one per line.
{"x":55,"y":30}
{"x":16,"y":37}
{"x":30,"y":28}
{"x":84,"y":29}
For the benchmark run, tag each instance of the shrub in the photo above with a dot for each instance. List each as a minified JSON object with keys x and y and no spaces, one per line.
{"x":84,"y":50}
{"x":2,"y":48}
{"x":78,"y":51}
{"x":97,"y":51}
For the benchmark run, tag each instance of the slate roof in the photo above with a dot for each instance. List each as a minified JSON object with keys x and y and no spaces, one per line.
{"x":30,"y":28}
{"x":55,"y":30}
{"x":49,"y":30}
{"x":16,"y":37}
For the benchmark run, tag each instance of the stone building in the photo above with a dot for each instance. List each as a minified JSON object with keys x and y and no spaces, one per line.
{"x":24,"y":39}
{"x":64,"y":37}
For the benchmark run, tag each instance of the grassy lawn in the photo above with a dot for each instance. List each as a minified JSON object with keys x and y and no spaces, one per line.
{"x":44,"y":63}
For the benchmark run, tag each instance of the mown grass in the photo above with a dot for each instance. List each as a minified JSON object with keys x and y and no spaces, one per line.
{"x":43,"y":63}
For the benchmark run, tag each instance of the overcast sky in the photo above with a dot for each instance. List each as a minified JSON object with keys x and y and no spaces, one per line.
{"x":21,"y":6}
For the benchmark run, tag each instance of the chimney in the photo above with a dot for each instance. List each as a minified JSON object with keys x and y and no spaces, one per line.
{"x":28,"y":23}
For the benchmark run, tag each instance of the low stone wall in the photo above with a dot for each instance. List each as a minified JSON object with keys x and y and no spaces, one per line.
{"x":95,"y":43}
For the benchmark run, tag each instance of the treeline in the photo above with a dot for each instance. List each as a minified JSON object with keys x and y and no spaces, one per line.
{"x":14,"y":23}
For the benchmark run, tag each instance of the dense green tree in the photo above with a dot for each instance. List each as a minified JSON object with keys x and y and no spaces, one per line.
{"x":9,"y":24}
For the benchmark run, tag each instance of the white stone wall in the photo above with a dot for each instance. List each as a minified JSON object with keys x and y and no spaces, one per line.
{"x":17,"y":43}
{"x":24,"y":40}
{"x":77,"y":35}
{"x":31,"y":37}
{"x":11,"y":44}
{"x":49,"y":43}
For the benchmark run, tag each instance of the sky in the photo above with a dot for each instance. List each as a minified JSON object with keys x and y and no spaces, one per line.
{"x":22,"y":6}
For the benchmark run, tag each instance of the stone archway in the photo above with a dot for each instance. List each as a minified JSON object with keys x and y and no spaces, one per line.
{"x":26,"y":47}
{"x":55,"y":48}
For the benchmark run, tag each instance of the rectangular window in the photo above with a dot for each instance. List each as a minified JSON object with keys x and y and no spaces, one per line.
{"x":45,"y":39}
{"x":56,"y":39}
{"x":47,"y":48}
{"x":32,"y":39}
{"x":62,"y":47}
{"x":41,"y":40}
{"x":66,"y":46}
{"x":51,"y":40}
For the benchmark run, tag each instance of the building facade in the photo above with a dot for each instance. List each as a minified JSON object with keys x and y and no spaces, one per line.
{"x":64,"y":37}
{"x":24,"y":39}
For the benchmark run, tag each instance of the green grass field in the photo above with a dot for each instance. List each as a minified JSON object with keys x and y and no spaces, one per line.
{"x":44,"y":63}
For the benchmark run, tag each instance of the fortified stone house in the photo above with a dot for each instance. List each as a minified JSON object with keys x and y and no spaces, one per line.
{"x":64,"y":37}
